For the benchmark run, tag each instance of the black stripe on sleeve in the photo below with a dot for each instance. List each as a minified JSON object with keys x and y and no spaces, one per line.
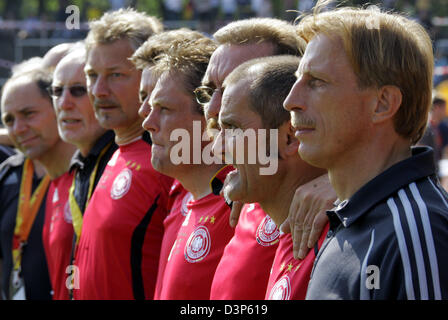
{"x":138,"y":237}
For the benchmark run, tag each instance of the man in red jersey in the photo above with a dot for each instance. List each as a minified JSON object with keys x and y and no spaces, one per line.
{"x":31,"y":123}
{"x":241,"y":41}
{"x":57,"y":234}
{"x":253,"y":98}
{"x":77,"y":125}
{"x":238,"y":42}
{"x":204,"y":232}
{"x":144,"y":59}
{"x":118,"y":251}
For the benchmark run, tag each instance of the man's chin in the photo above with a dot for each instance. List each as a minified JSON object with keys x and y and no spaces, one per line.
{"x":112,"y":123}
{"x":33,"y":154}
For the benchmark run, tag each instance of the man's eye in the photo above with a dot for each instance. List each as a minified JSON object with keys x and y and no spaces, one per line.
{"x":315,"y":83}
{"x":116,"y":75}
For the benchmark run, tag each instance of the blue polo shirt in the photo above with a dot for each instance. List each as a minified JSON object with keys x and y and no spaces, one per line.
{"x":389,"y":240}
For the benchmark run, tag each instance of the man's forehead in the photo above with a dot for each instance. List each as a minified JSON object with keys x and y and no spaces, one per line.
{"x":235,"y":98}
{"x":164,"y":83}
{"x":229,"y":56}
{"x":110,"y":56}
{"x":14,"y":90}
{"x":321,"y":51}
{"x":23,"y":98}
{"x":148,"y":77}
{"x":72,"y":71}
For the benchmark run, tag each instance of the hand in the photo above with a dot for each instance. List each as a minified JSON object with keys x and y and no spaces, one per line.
{"x":307,"y":214}
{"x":237,"y":206}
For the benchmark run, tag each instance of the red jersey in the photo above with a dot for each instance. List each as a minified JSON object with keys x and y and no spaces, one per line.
{"x":198,"y":248}
{"x":119,"y":247}
{"x":289,"y":277}
{"x":57,"y":234}
{"x":243,"y":272}
{"x":179,"y":197}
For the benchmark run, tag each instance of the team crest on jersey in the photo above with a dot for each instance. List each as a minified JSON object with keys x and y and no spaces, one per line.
{"x":121,"y":184}
{"x":67,"y":213}
{"x":198,"y":245}
{"x":187,"y":198}
{"x":281,"y":290}
{"x":267,"y":232}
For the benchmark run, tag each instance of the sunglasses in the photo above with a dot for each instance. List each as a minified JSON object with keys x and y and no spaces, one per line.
{"x":203,"y":94}
{"x":75,"y":91}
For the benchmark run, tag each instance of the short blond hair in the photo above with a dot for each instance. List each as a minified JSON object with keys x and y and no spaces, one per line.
{"x":188,"y":58}
{"x":383,"y":49}
{"x":258,"y":30}
{"x":148,"y":52}
{"x":122,"y":24}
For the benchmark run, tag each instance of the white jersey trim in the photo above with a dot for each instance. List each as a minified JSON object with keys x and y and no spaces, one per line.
{"x":416,"y":244}
{"x":403,"y":249}
{"x":429,"y":238}
{"x":416,"y":238}
{"x":364,"y":292}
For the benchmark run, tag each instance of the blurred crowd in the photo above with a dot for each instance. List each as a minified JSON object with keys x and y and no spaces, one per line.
{"x":206,"y":11}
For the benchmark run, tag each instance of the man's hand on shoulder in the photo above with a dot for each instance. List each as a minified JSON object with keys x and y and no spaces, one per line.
{"x":307,"y":214}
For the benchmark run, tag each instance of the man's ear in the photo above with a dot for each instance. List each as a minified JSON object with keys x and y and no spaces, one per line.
{"x":388,"y":102}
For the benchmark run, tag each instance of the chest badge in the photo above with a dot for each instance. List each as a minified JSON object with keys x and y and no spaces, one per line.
{"x":267,"y":232}
{"x":198,"y":245}
{"x":121,"y":184}
{"x":281,"y":290}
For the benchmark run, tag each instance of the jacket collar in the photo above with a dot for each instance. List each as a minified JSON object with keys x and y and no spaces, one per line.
{"x":418,"y":166}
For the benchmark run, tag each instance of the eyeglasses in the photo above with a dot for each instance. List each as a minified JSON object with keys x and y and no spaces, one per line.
{"x":75,"y":91}
{"x":204,"y":94}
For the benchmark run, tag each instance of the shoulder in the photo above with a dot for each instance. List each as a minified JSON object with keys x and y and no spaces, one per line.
{"x":419,"y":214}
{"x":12,"y":163}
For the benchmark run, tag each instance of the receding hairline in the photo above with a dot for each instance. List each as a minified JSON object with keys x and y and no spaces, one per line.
{"x":280,"y":33}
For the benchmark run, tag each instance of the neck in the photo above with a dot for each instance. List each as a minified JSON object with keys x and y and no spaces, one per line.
{"x":196,"y":179}
{"x":126,"y":135}
{"x":85,"y":146}
{"x":39,"y":169}
{"x":57,"y":160}
{"x":295,"y":174}
{"x":350,"y":175}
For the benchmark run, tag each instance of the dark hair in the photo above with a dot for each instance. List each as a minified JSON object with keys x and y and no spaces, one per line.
{"x":271,"y":79}
{"x":40,"y":76}
{"x":190,"y":58}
